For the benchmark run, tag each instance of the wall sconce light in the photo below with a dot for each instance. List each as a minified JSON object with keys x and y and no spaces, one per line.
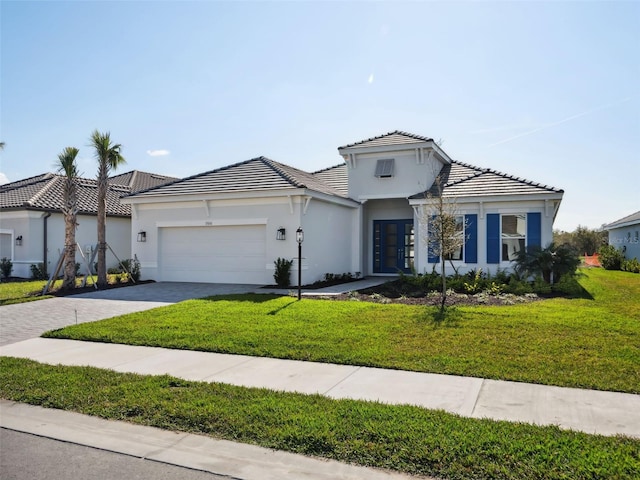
{"x":142,"y":236}
{"x":281,"y":234}
{"x":19,"y":241}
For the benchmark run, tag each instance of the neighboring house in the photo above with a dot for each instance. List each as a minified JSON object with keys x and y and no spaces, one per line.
{"x":232,"y":223}
{"x":624,"y":234}
{"x":32,"y":224}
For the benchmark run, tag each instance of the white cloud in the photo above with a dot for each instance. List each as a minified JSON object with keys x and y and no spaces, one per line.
{"x":3,"y":179}
{"x":158,"y":153}
{"x":370,"y":79}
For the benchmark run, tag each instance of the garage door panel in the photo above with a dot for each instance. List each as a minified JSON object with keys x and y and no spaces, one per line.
{"x":231,"y":254}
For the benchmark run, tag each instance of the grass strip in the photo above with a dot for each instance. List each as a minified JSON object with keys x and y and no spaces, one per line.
{"x":402,"y":438}
{"x":580,"y":343}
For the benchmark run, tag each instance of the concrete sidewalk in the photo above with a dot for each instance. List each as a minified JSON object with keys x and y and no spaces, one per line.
{"x":590,"y":411}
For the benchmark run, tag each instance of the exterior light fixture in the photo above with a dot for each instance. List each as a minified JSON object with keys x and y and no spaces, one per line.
{"x":281,"y":234}
{"x":19,"y":241}
{"x":142,"y":236}
{"x":299,"y":239}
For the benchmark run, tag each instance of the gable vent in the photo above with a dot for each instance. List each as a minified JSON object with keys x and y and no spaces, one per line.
{"x":384,"y":168}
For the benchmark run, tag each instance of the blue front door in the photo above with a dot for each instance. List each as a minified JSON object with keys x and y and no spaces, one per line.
{"x":392,"y":246}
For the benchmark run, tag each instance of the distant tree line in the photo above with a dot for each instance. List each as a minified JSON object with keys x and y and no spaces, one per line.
{"x":583,"y":239}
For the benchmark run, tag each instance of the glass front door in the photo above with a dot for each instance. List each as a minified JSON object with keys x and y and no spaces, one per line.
{"x":393,"y":242}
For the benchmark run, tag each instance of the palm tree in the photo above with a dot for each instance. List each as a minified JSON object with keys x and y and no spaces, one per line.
{"x":109,"y":158}
{"x":67,"y":165}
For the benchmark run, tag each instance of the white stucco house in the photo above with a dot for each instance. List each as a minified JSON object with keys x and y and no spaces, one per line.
{"x":363,"y":215}
{"x":32,"y":223}
{"x":624,"y":234}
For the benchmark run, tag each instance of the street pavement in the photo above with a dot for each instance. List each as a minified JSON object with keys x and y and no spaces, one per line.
{"x":606,"y":413}
{"x":30,"y":457}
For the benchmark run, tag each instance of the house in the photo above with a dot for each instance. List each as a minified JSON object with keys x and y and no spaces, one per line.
{"x":364,"y":215}
{"x":624,"y":234}
{"x":32,"y":223}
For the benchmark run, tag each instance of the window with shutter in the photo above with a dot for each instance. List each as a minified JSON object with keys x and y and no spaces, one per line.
{"x":384,"y":168}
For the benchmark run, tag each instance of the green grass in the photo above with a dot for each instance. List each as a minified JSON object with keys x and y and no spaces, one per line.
{"x":403,"y":438}
{"x":28,"y":291}
{"x":20,"y":292}
{"x":585,"y":343}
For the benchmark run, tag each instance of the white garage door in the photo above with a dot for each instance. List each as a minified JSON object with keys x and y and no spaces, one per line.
{"x":218,"y":254}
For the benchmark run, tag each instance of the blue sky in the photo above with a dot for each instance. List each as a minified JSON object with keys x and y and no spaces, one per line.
{"x":548,"y":91}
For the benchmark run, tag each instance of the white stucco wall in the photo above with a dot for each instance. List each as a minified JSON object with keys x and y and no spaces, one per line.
{"x":30,"y":225}
{"x":626,"y":239}
{"x":324,"y":249}
{"x":411,"y":175}
{"x":498,"y":206}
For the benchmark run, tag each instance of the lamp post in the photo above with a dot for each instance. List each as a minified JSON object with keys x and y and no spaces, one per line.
{"x":299,"y":239}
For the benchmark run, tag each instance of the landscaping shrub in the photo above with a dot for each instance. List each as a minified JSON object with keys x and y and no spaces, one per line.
{"x":128,"y":269}
{"x":550,"y":262}
{"x":632,"y":266}
{"x":610,"y":257}
{"x":6,"y":266}
{"x":38,"y":272}
{"x":568,"y":285}
{"x":282,"y":275}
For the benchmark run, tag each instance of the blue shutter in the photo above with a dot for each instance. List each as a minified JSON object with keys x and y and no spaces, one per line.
{"x":534,"y":230}
{"x":431,"y":258}
{"x":471,"y":241}
{"x":493,"y":238}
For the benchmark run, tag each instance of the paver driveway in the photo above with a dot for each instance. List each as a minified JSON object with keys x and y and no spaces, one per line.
{"x":28,"y":320}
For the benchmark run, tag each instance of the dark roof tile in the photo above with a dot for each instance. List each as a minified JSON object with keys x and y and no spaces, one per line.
{"x":397,"y":137}
{"x":461,"y":179}
{"x":257,"y":174}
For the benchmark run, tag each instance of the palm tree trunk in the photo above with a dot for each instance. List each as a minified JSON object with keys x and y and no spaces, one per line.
{"x":69,"y":281}
{"x":102,"y":241}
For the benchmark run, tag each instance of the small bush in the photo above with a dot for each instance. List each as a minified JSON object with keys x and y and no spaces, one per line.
{"x":541,"y":286}
{"x":6,"y":266}
{"x":568,"y":285}
{"x":518,"y":287}
{"x":610,"y":258}
{"x":134,"y":269}
{"x":282,"y":275}
{"x":38,"y":272}
{"x":632,"y":265}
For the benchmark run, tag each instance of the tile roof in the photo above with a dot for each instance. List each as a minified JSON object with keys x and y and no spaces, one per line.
{"x":633,"y":219}
{"x":336,"y":177}
{"x":397,"y":137}
{"x":45,"y":192}
{"x":461,"y":179}
{"x":257,"y":174}
{"x":137,"y":180}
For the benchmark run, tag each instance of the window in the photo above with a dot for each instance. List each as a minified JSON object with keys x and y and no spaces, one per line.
{"x":459,"y":253}
{"x":513,"y":235}
{"x":384,"y":168}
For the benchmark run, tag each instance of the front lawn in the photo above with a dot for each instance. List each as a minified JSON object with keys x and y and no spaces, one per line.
{"x":403,"y":438}
{"x":585,"y":343}
{"x":30,"y":290}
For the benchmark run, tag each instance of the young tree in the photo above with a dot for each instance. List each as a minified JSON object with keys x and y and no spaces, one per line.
{"x":109,"y":158}
{"x":67,"y":165}
{"x":445,"y":227}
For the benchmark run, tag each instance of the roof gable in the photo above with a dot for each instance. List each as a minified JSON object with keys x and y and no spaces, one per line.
{"x":397,"y":137}
{"x":461,"y":180}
